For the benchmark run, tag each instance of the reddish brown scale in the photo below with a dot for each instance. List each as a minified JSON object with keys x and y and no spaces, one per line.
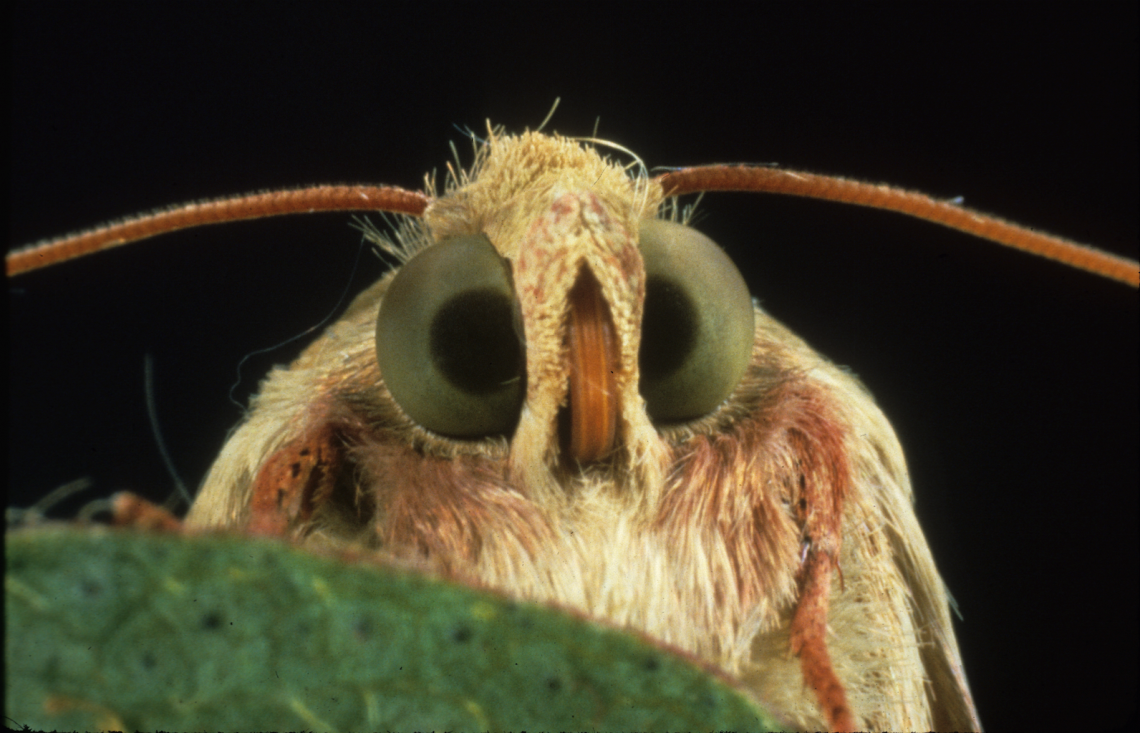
{"x":294,"y":480}
{"x":449,"y":507}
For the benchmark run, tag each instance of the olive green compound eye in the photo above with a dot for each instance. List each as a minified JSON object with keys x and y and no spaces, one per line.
{"x":697,"y":328}
{"x":446,"y":340}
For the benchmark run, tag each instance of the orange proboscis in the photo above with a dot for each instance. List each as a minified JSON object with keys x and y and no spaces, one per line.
{"x":593,"y":355}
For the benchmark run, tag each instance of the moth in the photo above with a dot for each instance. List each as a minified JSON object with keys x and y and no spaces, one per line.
{"x":565,"y":393}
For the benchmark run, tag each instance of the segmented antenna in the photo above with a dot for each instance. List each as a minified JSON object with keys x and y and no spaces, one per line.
{"x":675,"y":183}
{"x":217,"y":211}
{"x":911,"y":203}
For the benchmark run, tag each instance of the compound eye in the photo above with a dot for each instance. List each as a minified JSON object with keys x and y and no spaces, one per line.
{"x":698,"y":324}
{"x":447,"y":342}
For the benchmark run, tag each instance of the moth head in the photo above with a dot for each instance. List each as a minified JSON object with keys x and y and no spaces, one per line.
{"x":560,"y":316}
{"x":593,"y":366}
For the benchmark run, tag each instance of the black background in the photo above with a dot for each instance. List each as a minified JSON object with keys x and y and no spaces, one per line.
{"x":1011,"y":381}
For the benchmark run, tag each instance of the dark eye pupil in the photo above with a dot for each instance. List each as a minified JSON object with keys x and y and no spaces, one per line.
{"x":668,"y":329}
{"x":473,"y":342}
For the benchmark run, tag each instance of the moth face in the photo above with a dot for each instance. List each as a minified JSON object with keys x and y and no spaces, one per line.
{"x":567,"y":392}
{"x":582,"y":344}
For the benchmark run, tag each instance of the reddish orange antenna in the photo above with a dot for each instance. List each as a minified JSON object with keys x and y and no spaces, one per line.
{"x":911,"y":203}
{"x":686,"y":180}
{"x":217,"y":211}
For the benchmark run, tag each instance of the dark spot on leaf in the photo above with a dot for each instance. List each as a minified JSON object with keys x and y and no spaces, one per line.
{"x":148,"y":661}
{"x":652,"y":665}
{"x":554,"y":684}
{"x":462,"y":634}
{"x":91,"y":588}
{"x":362,"y":628}
{"x":211,"y":621}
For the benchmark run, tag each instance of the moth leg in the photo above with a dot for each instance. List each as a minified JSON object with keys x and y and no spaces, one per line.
{"x":809,"y":632}
{"x":819,"y":511}
{"x":131,"y":510}
{"x":296,"y":479}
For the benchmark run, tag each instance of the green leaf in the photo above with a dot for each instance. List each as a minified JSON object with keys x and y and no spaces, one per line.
{"x":114,"y":629}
